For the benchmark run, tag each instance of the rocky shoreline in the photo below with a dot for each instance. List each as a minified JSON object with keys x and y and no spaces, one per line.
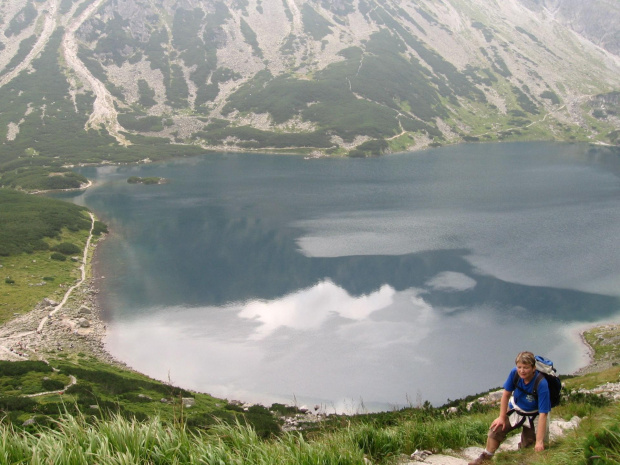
{"x":73,"y":327}
{"x":45,"y":332}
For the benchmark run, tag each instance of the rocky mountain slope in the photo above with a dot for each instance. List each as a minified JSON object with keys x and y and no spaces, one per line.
{"x":357,"y":77}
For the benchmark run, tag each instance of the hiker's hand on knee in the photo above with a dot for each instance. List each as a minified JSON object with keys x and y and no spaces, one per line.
{"x":499,"y":422}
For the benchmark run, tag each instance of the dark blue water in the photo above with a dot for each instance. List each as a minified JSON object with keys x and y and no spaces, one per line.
{"x":380,"y":282}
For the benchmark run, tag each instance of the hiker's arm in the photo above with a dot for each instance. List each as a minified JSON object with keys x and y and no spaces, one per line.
{"x":541,"y":431}
{"x":503,"y":409}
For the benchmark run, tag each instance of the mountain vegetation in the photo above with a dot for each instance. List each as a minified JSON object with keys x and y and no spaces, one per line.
{"x":112,"y":416}
{"x":101,"y":81}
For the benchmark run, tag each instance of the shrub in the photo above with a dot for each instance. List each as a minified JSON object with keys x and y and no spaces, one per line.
{"x":550,"y":95}
{"x":603,"y":447}
{"x":27,"y":219}
{"x":20,"y":368}
{"x":205,"y":420}
{"x":67,"y":248}
{"x":16,"y":403}
{"x":283,"y":409}
{"x":99,"y":228}
{"x":58,"y":256}
{"x":9,"y":280}
{"x":263,"y":421}
{"x":52,"y":385}
{"x":372,"y":147}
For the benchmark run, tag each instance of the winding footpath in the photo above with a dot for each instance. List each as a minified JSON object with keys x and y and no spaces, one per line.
{"x":11,"y":354}
{"x":41,"y":327}
{"x":79,"y":283}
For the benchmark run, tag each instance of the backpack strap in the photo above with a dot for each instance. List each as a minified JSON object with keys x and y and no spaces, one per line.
{"x":537,"y":381}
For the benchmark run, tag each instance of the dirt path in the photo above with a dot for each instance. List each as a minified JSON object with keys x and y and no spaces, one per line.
{"x":41,"y":326}
{"x":557,"y":429}
{"x":76,"y":285}
{"x":72,"y":381}
{"x":30,"y":336}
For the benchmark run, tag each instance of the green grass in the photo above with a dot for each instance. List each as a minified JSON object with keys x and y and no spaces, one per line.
{"x":32,"y":227}
{"x":29,"y":271}
{"x":75,"y":438}
{"x":116,"y":439}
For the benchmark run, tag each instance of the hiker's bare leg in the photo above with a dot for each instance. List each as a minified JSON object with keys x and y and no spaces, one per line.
{"x":492,"y":445}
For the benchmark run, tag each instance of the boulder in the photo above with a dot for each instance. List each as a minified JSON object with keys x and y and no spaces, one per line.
{"x":558,"y":427}
{"x":84,"y":310}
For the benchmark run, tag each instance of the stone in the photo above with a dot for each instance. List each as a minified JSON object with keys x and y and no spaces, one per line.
{"x":84,"y":310}
{"x":188,"y":402}
{"x":84,"y":323}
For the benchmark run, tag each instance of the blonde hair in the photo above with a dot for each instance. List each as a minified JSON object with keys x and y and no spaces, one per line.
{"x":526,"y":358}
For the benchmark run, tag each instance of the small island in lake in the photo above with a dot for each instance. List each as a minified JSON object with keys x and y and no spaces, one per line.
{"x":151,"y":180}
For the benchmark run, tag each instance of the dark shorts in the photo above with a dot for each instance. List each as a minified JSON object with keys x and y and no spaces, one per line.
{"x":528,"y":434}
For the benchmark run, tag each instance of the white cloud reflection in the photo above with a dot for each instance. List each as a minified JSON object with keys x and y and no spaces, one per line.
{"x":322,"y":345}
{"x":451,"y":281}
{"x":309,"y":309}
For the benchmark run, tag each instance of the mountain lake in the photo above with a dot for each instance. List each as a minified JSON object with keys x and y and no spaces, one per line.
{"x":357,"y":284}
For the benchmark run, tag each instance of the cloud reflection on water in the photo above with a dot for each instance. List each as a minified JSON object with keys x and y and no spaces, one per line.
{"x":260,"y":278}
{"x":279,"y":351}
{"x":451,"y":281}
{"x":309,"y":309}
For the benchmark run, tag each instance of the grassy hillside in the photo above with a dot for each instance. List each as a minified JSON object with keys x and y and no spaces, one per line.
{"x":136,"y":428}
{"x":41,"y":243}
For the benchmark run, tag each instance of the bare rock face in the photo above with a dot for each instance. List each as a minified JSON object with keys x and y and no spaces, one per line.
{"x":595,"y":20}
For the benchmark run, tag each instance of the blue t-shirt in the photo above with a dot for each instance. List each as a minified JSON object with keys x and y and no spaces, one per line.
{"x":523,"y":396}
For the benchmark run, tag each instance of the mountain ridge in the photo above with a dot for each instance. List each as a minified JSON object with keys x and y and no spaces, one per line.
{"x":317,"y":77}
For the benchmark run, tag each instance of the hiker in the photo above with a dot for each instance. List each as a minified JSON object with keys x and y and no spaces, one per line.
{"x":523,"y":405}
